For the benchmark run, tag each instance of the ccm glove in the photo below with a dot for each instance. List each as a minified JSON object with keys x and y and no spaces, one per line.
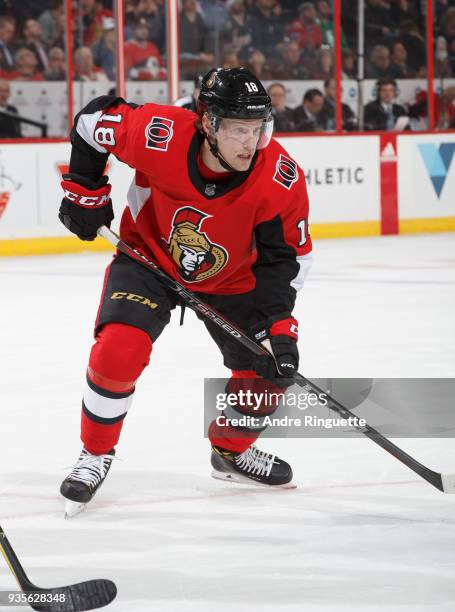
{"x":86,"y":205}
{"x":282,"y":332}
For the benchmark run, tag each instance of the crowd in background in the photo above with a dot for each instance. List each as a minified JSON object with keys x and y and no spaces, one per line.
{"x":278,"y":40}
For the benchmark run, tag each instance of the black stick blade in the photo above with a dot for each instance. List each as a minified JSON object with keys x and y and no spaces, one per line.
{"x":77,"y":597}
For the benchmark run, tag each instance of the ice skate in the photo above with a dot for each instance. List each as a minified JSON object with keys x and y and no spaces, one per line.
{"x":253,"y":466}
{"x":84,"y":480}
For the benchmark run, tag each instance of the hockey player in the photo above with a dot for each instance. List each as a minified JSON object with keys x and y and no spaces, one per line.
{"x":217,"y":205}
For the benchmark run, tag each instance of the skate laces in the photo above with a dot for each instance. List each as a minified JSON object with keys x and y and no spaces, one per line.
{"x":91,"y":469}
{"x":255,"y":461}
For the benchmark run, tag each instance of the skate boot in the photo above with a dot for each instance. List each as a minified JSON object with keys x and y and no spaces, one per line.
{"x":84,"y":480}
{"x":253,"y":466}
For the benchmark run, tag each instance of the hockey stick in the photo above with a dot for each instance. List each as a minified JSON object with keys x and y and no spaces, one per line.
{"x":73,"y":598}
{"x":443,"y":482}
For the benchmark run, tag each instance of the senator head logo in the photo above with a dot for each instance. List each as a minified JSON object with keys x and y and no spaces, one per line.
{"x":437,"y":161}
{"x":195,"y":255}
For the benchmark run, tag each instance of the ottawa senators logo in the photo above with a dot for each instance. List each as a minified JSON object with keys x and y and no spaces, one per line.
{"x":158,"y":133}
{"x":195,"y":256}
{"x":286,"y":173}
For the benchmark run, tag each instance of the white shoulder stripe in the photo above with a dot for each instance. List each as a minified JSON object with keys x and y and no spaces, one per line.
{"x":305,"y":262}
{"x":86,"y":126}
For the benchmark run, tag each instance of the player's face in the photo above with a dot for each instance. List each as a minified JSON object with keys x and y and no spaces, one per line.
{"x":237,"y":141}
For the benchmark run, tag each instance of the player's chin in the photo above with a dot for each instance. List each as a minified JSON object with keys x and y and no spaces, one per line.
{"x":242,"y":161}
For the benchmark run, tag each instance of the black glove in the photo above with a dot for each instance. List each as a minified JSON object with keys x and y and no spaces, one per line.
{"x":86,"y":205}
{"x":282,"y":332}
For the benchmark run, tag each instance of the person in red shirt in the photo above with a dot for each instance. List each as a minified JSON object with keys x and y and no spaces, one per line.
{"x":305,"y":30}
{"x":142,"y":59}
{"x":219,"y":206}
{"x":91,"y":15}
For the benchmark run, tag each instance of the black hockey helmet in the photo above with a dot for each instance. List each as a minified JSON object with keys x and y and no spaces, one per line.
{"x":234,"y":93}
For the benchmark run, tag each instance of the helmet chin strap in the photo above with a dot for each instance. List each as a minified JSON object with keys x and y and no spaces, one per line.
{"x":215,"y":152}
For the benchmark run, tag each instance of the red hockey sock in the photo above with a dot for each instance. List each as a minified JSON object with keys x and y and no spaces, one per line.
{"x":117,"y":359}
{"x":228,"y":437}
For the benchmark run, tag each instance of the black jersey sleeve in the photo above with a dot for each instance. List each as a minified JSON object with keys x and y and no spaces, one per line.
{"x":87,"y":158}
{"x":275,"y":267}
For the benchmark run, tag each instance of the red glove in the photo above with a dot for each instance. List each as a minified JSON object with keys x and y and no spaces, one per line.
{"x":86,"y":205}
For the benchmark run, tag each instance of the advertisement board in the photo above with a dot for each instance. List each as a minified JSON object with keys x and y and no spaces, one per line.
{"x":350,"y":189}
{"x":426,"y":178}
{"x":342,"y":175}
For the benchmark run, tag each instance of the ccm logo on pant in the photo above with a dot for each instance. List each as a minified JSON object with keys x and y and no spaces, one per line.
{"x":133,"y":297}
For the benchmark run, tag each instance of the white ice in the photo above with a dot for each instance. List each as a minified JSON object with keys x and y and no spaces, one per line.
{"x":361,"y":531}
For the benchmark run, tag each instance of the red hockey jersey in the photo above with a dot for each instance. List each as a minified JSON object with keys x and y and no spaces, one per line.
{"x":245,"y":232}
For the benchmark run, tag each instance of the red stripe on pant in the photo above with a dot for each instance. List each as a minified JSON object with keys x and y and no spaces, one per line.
{"x":117,"y":359}
{"x":231,"y":438}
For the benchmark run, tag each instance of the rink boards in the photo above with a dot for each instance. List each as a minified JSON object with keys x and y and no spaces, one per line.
{"x":361,"y":185}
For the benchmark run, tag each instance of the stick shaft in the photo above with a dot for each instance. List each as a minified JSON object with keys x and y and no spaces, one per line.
{"x":209,"y":313}
{"x":13,"y":562}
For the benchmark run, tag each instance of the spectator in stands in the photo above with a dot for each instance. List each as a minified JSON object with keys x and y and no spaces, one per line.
{"x":378,"y":22}
{"x":326,"y":117}
{"x":399,"y":68}
{"x":26,"y":66}
{"x":153,"y":13}
{"x":305,"y":30}
{"x":84,"y":66}
{"x":306,"y":115}
{"x":196,"y":44}
{"x":130,"y":18}
{"x":104,"y":48}
{"x":33,"y":40}
{"x":379,"y":65}
{"x":348,"y":64}
{"x":403,"y":9}
{"x":442,"y":66}
{"x":290,"y":66}
{"x":236,"y":33}
{"x":50,"y":21}
{"x":414,"y":44}
{"x":143,"y":60}
{"x":326,"y":23}
{"x":56,"y":70}
{"x":60,"y":40}
{"x":230,"y":60}
{"x":92,"y":15}
{"x":215,"y":14}
{"x":382,"y":113}
{"x":448,"y":31}
{"x":7,"y":30}
{"x":323,"y":68}
{"x":8,"y":127}
{"x":257,"y":63}
{"x":447,"y":114}
{"x":266,"y":26}
{"x":282,"y":115}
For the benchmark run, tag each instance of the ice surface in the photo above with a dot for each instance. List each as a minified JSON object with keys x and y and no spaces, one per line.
{"x":361,"y":531}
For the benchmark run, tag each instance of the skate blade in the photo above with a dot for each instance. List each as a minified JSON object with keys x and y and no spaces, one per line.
{"x":239,"y":479}
{"x":73,"y":508}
